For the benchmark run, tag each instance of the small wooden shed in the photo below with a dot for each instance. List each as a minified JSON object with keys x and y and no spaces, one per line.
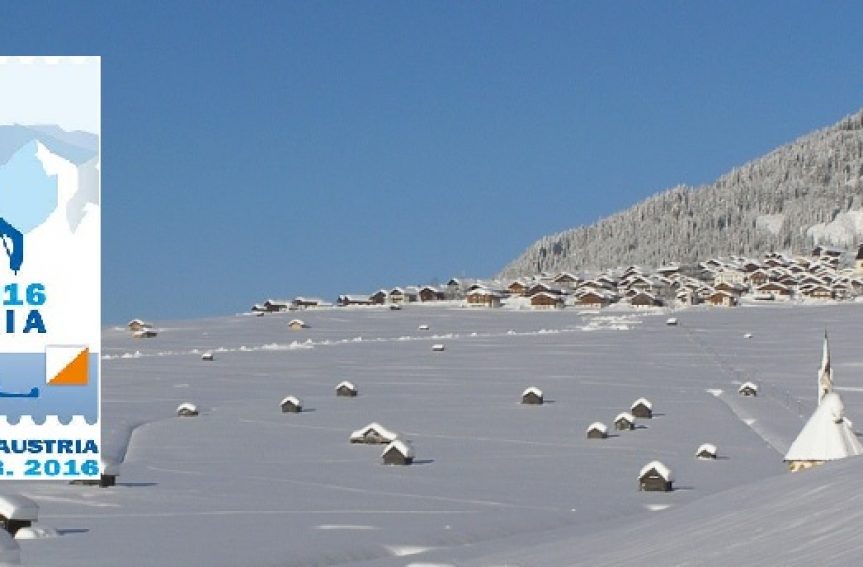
{"x":671,"y":321}
{"x":655,"y":477}
{"x":16,"y":512}
{"x":187,"y":409}
{"x":297,"y":324}
{"x":208,"y":356}
{"x":642,"y":408}
{"x":532,"y":396}
{"x":748,"y":389}
{"x":292,"y":404}
{"x":137,"y":325}
{"x":438,"y":348}
{"x":706,"y":451}
{"x":398,"y":452}
{"x":597,"y":430}
{"x":624,"y":421}
{"x":345,"y":389}
{"x":373,"y":434}
{"x":423,"y":327}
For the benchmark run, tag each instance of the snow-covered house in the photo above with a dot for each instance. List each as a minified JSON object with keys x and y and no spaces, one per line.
{"x":597,"y":430}
{"x":706,"y":451}
{"x":345,"y":389}
{"x":565,"y":279}
{"x":187,"y":409}
{"x":748,"y":389}
{"x":379,"y":297}
{"x":292,"y":404}
{"x":722,"y":298}
{"x":532,"y":396}
{"x":518,"y":287}
{"x":297,"y":324}
{"x":347,"y":299}
{"x":642,"y":408}
{"x":398,"y":452}
{"x":16,"y":512}
{"x":826,"y":436}
{"x":137,"y":325}
{"x":373,"y":434}
{"x":208,"y":356}
{"x":430,"y":293}
{"x":273,"y":305}
{"x":484,"y":298}
{"x":644,"y":299}
{"x":624,"y":421}
{"x":775,"y":289}
{"x":592,"y":298}
{"x":438,"y":347}
{"x":655,"y":477}
{"x":546,"y":300}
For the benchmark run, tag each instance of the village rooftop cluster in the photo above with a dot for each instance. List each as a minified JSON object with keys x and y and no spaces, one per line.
{"x":718,"y":281}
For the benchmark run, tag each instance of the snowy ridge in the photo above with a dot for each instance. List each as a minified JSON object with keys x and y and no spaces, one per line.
{"x":804,"y":193}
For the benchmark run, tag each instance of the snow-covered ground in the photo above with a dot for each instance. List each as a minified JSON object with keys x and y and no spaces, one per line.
{"x":494,"y":482}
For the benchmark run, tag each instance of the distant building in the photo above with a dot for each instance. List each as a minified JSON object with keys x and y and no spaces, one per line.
{"x":624,"y":421}
{"x":345,"y":389}
{"x":748,"y":389}
{"x":187,"y":409}
{"x":532,"y":396}
{"x":292,"y":404}
{"x":373,"y":433}
{"x":398,"y":452}
{"x":655,"y":476}
{"x":706,"y":451}
{"x":826,"y":436}
{"x":597,"y":430}
{"x":642,"y":408}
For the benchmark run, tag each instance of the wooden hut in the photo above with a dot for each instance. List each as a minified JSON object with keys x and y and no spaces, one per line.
{"x":137,"y":325}
{"x":423,"y":327}
{"x":187,"y":409}
{"x":642,"y":408}
{"x":532,"y":396}
{"x":597,"y":430}
{"x":655,"y":477}
{"x":292,"y":404}
{"x":546,"y":300}
{"x":624,"y":421}
{"x":345,"y":389}
{"x":748,"y":389}
{"x":297,"y":324}
{"x":671,"y":321}
{"x":438,"y":348}
{"x":372,"y":434}
{"x":16,"y":512}
{"x":208,"y":356}
{"x":398,"y":452}
{"x":706,"y":451}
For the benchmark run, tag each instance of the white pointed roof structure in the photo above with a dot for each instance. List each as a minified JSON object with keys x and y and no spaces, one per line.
{"x":827,"y":436}
{"x":825,"y":373}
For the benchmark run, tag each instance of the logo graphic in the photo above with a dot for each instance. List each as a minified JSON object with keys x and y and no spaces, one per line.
{"x":50,"y":328}
{"x":66,"y":365}
{"x":13,"y":242}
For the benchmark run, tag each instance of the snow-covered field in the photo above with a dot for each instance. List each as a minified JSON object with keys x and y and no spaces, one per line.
{"x":494,"y":482}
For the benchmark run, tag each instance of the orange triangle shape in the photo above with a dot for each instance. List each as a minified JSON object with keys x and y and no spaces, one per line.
{"x":75,"y":373}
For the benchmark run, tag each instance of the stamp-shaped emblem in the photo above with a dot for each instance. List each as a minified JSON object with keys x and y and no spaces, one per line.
{"x":50,"y":268}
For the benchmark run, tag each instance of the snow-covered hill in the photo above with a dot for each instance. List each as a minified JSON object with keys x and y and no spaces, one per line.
{"x":807,"y":192}
{"x":245,"y":484}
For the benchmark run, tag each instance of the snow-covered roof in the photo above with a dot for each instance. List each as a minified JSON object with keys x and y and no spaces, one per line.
{"x":643,"y":401}
{"x":706,"y":448}
{"x":423,"y":327}
{"x":671,"y":320}
{"x":18,"y":507}
{"x":207,"y":356}
{"x":138,"y":322}
{"x":296,"y":323}
{"x":438,"y":347}
{"x":624,"y":415}
{"x":402,"y":446}
{"x":660,"y":468}
{"x":598,"y":426}
{"x":187,"y":406}
{"x":827,"y":435}
{"x":292,"y":400}
{"x":748,"y":385}
{"x":382,"y":431}
{"x":346,"y":384}
{"x":532,"y":390}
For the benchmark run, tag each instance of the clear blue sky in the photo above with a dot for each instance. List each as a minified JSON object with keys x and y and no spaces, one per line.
{"x":284,"y":148}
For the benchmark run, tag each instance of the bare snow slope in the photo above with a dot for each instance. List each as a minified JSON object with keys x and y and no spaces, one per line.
{"x":244,"y":484}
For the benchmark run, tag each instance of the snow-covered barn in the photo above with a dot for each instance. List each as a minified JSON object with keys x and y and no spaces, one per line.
{"x":597,"y":430}
{"x":292,"y":404}
{"x":345,"y":389}
{"x":655,"y":477}
{"x":187,"y":409}
{"x":748,"y":389}
{"x":398,"y":452}
{"x":706,"y":451}
{"x":373,"y":433}
{"x":16,"y":512}
{"x":532,"y":396}
{"x":624,"y":421}
{"x":642,"y":407}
